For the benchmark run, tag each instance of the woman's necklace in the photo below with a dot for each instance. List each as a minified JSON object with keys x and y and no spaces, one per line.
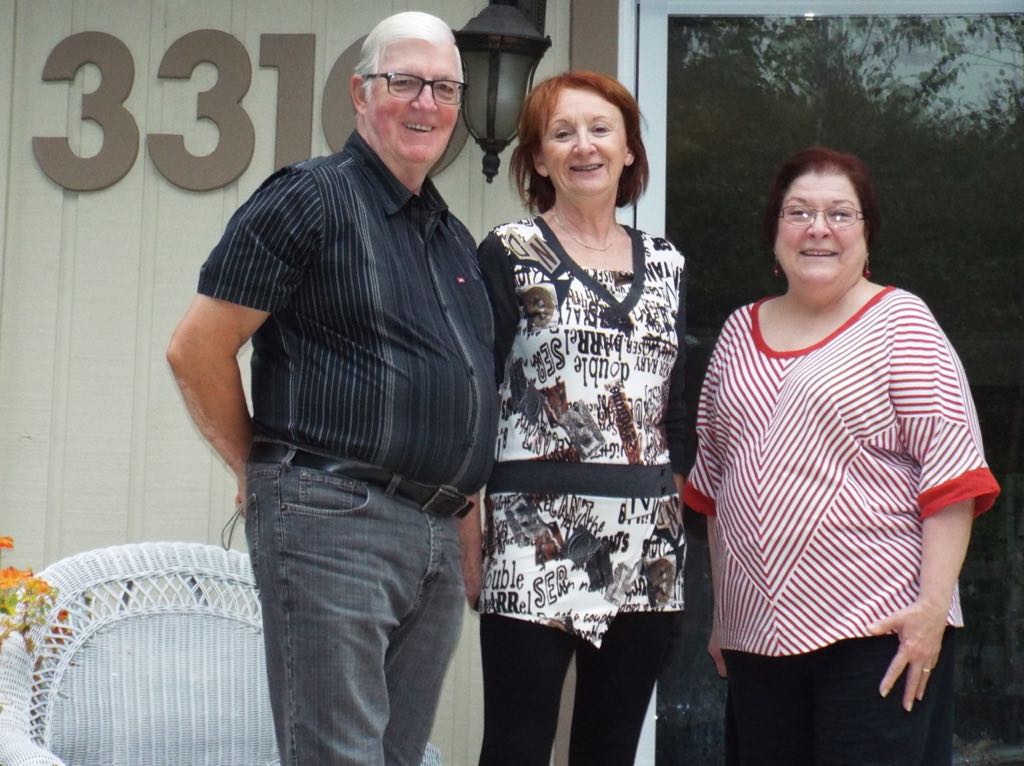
{"x":579,"y":241}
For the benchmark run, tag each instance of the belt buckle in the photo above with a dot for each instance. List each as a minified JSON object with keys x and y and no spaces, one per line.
{"x":447,"y":501}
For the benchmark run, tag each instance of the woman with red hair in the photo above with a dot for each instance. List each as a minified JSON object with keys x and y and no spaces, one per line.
{"x":584,"y":545}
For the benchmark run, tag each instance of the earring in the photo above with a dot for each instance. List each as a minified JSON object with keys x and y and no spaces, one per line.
{"x":776,"y":270}
{"x":867,"y":267}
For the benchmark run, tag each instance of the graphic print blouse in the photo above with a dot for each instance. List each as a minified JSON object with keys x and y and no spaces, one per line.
{"x":819,"y":466}
{"x":591,"y":376}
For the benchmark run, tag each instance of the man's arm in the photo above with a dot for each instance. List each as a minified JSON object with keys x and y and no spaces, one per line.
{"x":203,"y":354}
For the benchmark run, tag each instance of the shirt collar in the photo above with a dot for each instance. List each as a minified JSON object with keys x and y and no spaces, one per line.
{"x":394,"y":194}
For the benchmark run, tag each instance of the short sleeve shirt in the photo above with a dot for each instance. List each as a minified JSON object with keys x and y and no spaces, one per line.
{"x":379,"y":342}
{"x":819,"y":466}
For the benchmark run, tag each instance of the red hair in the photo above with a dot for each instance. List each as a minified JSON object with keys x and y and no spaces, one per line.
{"x":537,"y":191}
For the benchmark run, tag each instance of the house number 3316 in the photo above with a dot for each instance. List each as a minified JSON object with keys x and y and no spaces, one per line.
{"x":291,"y":54}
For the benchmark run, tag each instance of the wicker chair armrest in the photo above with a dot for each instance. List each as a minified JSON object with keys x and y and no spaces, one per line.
{"x":18,"y":749}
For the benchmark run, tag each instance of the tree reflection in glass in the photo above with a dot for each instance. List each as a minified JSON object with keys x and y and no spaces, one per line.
{"x":935,"y":105}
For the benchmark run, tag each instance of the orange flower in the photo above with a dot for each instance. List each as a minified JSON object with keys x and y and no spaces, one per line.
{"x":37,"y":587}
{"x":24,"y":599}
{"x":11,"y":577}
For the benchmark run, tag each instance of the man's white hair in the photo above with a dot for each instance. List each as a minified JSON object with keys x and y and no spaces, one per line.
{"x":408,"y":25}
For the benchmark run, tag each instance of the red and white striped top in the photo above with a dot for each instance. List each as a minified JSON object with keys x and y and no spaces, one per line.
{"x":820,"y":464}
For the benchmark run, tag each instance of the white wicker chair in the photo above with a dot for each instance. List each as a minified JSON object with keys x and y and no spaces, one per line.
{"x":158,"y":662}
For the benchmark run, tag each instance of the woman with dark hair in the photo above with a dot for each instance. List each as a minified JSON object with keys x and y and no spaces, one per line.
{"x":584,"y":545}
{"x":840,"y":464}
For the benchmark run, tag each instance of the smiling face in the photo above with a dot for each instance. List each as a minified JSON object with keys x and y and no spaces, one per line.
{"x":818,"y":256}
{"x":408,"y":136}
{"x":584,"y":147}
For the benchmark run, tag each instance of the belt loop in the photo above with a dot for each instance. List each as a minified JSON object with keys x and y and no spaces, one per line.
{"x":288,"y":457}
{"x":396,"y":480}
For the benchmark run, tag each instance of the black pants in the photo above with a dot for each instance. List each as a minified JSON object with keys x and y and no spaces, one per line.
{"x":524,"y":667}
{"x":823,"y":709}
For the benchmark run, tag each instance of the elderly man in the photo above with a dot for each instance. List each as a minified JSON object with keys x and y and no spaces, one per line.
{"x":373,"y":409}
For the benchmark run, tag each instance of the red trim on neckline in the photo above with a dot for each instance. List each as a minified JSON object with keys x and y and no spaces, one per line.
{"x":764,"y":348}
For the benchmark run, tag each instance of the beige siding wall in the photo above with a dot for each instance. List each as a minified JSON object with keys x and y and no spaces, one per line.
{"x":95,"y":444}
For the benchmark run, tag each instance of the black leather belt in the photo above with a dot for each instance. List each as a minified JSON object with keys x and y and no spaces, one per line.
{"x":437,"y":500}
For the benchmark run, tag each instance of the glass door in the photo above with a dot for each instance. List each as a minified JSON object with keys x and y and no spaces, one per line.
{"x":931,"y":95}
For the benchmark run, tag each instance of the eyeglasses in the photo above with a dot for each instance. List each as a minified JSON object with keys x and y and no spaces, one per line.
{"x":835,"y":217}
{"x":408,"y":87}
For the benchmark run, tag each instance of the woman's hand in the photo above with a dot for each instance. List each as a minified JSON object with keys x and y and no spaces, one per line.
{"x":472,"y":575}
{"x":920,"y":627}
{"x":944,"y":538}
{"x":714,"y":641}
{"x":715,"y":650}
{"x":471,"y":543}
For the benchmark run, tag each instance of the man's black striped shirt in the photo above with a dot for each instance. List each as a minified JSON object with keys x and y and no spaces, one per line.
{"x":379,"y":344}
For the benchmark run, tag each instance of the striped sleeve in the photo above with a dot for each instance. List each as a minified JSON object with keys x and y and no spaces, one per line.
{"x":263,"y":255}
{"x":936,"y":418}
{"x":706,"y":477}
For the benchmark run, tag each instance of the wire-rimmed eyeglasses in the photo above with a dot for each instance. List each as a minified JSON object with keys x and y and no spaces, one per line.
{"x":835,"y":217}
{"x":409,"y":86}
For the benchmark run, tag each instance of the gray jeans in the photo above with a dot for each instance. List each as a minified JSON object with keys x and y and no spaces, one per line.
{"x":362,"y":602}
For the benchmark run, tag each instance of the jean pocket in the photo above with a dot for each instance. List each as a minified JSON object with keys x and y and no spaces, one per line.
{"x":321,"y":494}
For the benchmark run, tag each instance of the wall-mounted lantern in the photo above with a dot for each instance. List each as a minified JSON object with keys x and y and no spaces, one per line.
{"x":500,"y":51}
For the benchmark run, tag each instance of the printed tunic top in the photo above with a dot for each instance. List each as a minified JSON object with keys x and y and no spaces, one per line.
{"x":582,"y":515}
{"x":819,"y":466}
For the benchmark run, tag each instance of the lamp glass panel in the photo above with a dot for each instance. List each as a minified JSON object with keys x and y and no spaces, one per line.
{"x":515,"y":76}
{"x":475,"y":106}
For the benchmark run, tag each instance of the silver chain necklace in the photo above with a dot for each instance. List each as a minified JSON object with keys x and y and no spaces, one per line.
{"x":579,"y":241}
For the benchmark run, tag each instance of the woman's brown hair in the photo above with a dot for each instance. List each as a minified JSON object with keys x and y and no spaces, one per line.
{"x":822,"y":159}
